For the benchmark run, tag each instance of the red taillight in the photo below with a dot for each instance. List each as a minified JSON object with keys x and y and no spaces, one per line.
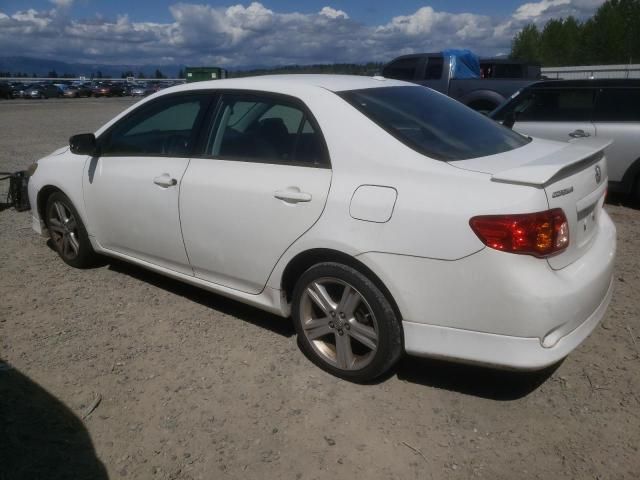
{"x":541,"y":234}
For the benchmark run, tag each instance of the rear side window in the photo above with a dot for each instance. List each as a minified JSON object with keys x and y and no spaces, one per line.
{"x":264,"y":129}
{"x":433,"y":124}
{"x":402,"y":69}
{"x":553,"y":105}
{"x":618,"y":105}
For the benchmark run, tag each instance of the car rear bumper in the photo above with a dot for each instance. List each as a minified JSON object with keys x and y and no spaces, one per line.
{"x":498,"y":308}
{"x":500,"y":351}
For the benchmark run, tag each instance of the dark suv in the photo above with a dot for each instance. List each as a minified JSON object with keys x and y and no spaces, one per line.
{"x":567,"y":109}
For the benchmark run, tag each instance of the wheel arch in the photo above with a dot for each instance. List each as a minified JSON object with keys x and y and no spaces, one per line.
{"x":484,"y":96}
{"x":631,"y":177}
{"x":43,"y":196}
{"x":308,"y":258}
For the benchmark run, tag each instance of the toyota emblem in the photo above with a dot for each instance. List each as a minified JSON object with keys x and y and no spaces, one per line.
{"x":598,"y":174}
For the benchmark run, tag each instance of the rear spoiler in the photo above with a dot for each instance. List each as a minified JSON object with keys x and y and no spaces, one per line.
{"x":577,"y":155}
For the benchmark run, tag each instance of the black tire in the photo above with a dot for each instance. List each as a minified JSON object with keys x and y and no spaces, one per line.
{"x":77,"y":250}
{"x":382,"y":319}
{"x":635,"y":193}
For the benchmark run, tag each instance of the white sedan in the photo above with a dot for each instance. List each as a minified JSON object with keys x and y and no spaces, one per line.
{"x":382,"y":216}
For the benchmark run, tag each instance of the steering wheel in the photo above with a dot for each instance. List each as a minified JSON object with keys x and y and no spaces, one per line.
{"x":174,"y":144}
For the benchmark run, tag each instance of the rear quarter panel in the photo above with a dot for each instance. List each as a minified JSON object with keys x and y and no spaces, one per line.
{"x":434,"y":203}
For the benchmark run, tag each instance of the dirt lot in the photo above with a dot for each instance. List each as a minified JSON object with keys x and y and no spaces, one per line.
{"x":193,"y":386}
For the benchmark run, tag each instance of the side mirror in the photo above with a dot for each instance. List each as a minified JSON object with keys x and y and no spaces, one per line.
{"x":84,"y":144}
{"x":509,"y":120}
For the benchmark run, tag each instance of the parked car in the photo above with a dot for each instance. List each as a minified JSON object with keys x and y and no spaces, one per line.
{"x":426,"y":228}
{"x":436,"y":70}
{"x":107,"y":90}
{"x":18,"y":90}
{"x":77,"y":90}
{"x":141,"y":90}
{"x":567,"y":109}
{"x":5,"y":90}
{"x":42,"y":90}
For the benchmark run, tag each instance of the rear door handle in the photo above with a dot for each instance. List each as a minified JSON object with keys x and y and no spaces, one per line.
{"x":165,"y":181}
{"x":292,"y":196}
{"x":579,"y":134}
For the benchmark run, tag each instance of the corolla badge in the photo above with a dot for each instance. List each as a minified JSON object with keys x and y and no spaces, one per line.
{"x":598,"y":174}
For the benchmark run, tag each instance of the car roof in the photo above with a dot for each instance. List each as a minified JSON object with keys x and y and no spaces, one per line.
{"x":283,"y":83}
{"x":589,"y":83}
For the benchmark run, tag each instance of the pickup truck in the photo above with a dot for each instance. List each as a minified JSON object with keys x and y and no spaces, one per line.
{"x":435,"y":70}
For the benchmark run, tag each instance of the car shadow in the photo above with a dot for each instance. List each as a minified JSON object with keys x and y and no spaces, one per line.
{"x":472,"y":380}
{"x":621,"y":200}
{"x":255,"y":316}
{"x":467,"y":379}
{"x":40,"y":437}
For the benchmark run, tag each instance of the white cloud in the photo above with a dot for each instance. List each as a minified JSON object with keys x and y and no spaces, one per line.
{"x":241,"y":35}
{"x":333,"y":13}
{"x":62,"y":3}
{"x":531,"y":11}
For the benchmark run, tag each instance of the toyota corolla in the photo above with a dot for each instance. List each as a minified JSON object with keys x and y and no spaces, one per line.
{"x":383,"y":217}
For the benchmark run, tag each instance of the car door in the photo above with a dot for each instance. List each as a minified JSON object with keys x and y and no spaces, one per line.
{"x":555,"y":113}
{"x":260,"y":184}
{"x":132,"y":189}
{"x":617,"y":117}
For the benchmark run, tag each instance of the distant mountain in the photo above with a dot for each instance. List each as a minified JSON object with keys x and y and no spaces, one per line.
{"x":42,"y":67}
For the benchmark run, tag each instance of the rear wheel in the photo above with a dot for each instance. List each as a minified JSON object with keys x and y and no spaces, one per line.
{"x":68,"y":233}
{"x":483,"y":106}
{"x":635,"y":193}
{"x":345,"y":324}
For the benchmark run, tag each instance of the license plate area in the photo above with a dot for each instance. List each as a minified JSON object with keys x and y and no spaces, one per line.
{"x":587,"y":223}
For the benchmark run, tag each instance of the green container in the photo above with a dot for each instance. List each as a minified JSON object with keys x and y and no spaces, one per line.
{"x":200,"y":74}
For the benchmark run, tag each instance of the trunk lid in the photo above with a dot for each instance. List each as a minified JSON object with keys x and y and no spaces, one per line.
{"x":573,"y":177}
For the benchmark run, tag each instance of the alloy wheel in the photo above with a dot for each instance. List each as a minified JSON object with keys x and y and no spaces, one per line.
{"x":64,"y":230}
{"x":339,"y":323}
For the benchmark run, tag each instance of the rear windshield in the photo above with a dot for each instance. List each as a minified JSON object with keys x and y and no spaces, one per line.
{"x":433,"y":124}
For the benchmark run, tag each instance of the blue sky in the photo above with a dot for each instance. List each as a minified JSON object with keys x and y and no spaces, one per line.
{"x":367,"y":11}
{"x":266,"y":32}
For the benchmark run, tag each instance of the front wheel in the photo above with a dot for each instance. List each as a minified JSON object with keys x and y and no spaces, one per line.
{"x":68,"y":233}
{"x":345,"y":324}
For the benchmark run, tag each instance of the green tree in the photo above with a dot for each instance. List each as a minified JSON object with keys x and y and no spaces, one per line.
{"x":159,"y":74}
{"x":560,"y":42}
{"x":526,"y":43}
{"x":611,"y":36}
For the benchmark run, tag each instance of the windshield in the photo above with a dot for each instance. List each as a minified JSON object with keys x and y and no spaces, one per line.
{"x":433,"y":124}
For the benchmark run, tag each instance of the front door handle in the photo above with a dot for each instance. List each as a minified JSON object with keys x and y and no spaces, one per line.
{"x":292,"y":196}
{"x":579,"y":134}
{"x":165,"y":181}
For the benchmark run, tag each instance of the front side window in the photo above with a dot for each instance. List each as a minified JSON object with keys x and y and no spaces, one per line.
{"x":550,"y":105}
{"x":402,"y":69}
{"x":434,"y":124}
{"x":618,"y":105}
{"x":164,"y":127}
{"x":265,"y":129}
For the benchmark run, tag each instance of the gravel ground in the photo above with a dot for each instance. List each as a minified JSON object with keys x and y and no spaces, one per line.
{"x":184,"y":384}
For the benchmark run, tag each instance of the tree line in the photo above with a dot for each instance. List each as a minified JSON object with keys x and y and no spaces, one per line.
{"x":611,"y":36}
